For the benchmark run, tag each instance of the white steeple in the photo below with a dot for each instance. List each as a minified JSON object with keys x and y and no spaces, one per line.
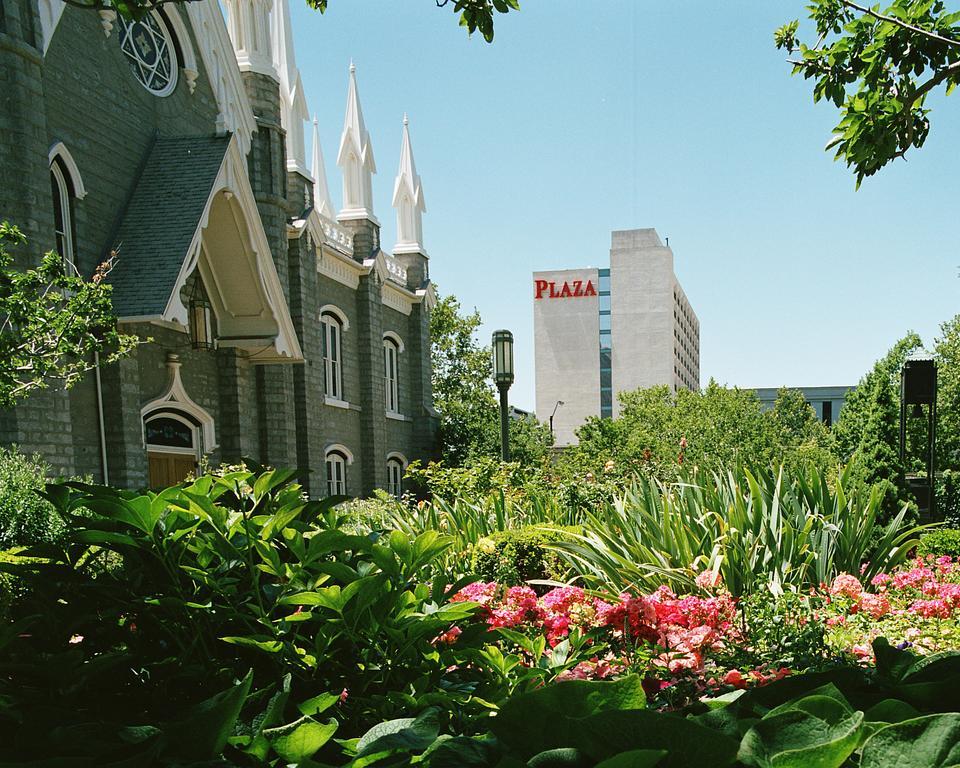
{"x":248,"y":22}
{"x":293,"y":103}
{"x":321,"y":193}
{"x":355,"y":159}
{"x":408,"y":200}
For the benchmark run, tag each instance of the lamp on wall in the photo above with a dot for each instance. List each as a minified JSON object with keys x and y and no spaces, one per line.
{"x":503,"y":377}
{"x":201,"y":315}
{"x":559,"y":403}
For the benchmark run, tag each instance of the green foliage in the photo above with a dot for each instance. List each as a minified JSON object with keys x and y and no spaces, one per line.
{"x":52,"y":322}
{"x":947,"y":351}
{"x":840,"y":717}
{"x":877,"y":65}
{"x":762,"y":529}
{"x":659,"y":432}
{"x":784,"y":631}
{"x":940,"y":543}
{"x":519,"y":555}
{"x":464,"y":396}
{"x":26,"y":518}
{"x":230,"y":573}
{"x":948,"y":497}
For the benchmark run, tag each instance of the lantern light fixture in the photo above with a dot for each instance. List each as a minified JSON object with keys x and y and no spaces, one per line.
{"x":201,"y":317}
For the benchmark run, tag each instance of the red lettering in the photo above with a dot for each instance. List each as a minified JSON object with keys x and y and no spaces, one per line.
{"x":578,"y":287}
{"x":565,"y":291}
{"x":541,"y":286}
{"x":589,"y":290}
{"x":553,"y":290}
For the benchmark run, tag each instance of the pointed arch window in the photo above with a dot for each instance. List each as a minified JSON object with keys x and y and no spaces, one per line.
{"x":62,"y":190}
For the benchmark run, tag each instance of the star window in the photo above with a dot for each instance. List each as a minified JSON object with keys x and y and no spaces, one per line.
{"x":149,"y":49}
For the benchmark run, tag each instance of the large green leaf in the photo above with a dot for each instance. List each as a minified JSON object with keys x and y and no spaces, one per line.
{"x":925,"y":742}
{"x":531,"y":723}
{"x":635,"y":758}
{"x":300,"y":739}
{"x":687,"y":743}
{"x":202,"y":732}
{"x":564,"y":757}
{"x":813,"y":732}
{"x":405,"y":734}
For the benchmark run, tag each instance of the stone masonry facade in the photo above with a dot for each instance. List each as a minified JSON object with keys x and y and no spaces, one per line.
{"x":265,"y":253}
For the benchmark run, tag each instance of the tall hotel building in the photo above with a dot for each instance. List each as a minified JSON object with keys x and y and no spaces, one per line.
{"x":598,"y":332}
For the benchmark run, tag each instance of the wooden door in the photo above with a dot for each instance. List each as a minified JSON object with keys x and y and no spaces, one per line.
{"x":168,"y":469}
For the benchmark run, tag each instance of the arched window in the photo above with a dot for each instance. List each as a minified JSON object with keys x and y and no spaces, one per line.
{"x":62,"y":190}
{"x":336,"y":473}
{"x":395,"y":469}
{"x":391,"y":368}
{"x":332,"y":328}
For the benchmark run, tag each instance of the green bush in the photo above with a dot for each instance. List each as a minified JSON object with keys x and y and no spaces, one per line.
{"x":513,"y":557}
{"x":948,"y":497}
{"x":26,"y":518}
{"x":939,"y":543}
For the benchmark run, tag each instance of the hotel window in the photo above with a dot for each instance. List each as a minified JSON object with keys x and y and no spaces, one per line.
{"x":391,"y":356}
{"x":336,"y":474}
{"x":395,"y":477}
{"x":332,"y":354}
{"x":62,"y":190}
{"x":827,"y":413}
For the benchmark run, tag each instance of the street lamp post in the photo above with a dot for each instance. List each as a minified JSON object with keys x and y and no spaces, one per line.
{"x":503,"y":377}
{"x":559,"y":403}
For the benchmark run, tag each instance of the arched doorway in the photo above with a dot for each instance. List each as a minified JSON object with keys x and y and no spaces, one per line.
{"x":172,"y":447}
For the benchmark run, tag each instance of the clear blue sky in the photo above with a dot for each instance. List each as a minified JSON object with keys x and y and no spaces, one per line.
{"x":583,"y":117}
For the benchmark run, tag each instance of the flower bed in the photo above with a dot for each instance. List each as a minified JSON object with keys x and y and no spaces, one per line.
{"x":915,"y":607}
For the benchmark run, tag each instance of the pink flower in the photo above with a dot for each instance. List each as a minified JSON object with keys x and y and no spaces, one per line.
{"x":735,"y":678}
{"x":877,"y":606}
{"x":343,"y":696}
{"x":862,"y":652}
{"x":708,"y":580}
{"x":845,"y":584}
{"x":449,"y":637}
{"x":931,"y":609}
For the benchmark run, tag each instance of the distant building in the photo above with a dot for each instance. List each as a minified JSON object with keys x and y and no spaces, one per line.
{"x":826,"y":401}
{"x":598,"y":332}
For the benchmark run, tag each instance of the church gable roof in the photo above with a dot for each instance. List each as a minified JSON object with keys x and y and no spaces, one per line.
{"x":161,"y":221}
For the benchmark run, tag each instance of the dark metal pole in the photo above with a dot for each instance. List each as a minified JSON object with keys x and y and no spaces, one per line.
{"x":932,"y":437}
{"x":504,"y":424}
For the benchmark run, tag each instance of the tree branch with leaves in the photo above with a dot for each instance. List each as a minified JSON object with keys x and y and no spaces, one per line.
{"x":52,"y":321}
{"x":878,"y":67}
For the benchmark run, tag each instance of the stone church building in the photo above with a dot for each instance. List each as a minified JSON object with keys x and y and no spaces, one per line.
{"x":273,"y":327}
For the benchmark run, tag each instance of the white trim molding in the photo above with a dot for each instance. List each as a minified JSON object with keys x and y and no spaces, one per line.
{"x":176,"y":399}
{"x":59,"y":150}
{"x":339,"y":448}
{"x":338,"y":313}
{"x":399,"y":457}
{"x":336,"y":402}
{"x":395,"y":338}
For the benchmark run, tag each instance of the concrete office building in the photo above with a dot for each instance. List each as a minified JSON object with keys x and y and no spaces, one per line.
{"x":598,"y":332}
{"x":826,"y":401}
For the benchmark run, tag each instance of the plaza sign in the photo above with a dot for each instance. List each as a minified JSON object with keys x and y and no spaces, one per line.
{"x":572,"y":289}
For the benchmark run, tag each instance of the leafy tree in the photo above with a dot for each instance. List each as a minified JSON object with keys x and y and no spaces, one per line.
{"x":51,"y":322}
{"x":852,"y":421}
{"x":877,"y":67}
{"x":877,"y":460}
{"x":474,"y":14}
{"x":464,"y":396}
{"x":799,"y":437}
{"x":947,"y":351}
{"x":658,"y":432}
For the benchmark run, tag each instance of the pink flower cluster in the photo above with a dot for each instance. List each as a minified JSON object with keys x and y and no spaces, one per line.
{"x":682,"y":630}
{"x":928,"y":589}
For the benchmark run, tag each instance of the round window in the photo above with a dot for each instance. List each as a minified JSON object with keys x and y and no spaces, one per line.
{"x":148,"y":46}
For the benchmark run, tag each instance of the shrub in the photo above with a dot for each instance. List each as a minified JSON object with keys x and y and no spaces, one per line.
{"x":940,"y":543}
{"x":26,"y":518}
{"x":513,"y":557}
{"x":948,"y":497}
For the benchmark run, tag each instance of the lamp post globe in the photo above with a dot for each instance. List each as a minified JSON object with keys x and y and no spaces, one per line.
{"x":503,"y":377}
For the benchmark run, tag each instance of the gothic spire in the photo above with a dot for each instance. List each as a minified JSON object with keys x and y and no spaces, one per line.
{"x":355,"y":159}
{"x":408,"y":199}
{"x":321,"y":193}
